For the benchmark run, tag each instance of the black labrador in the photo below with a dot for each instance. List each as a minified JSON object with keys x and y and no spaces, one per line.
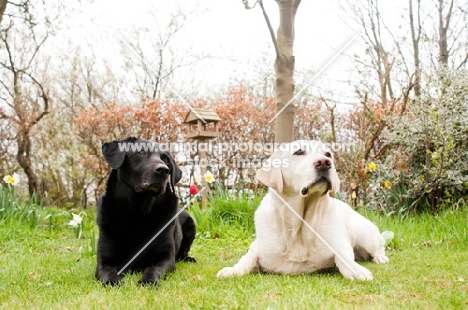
{"x":140,"y":204}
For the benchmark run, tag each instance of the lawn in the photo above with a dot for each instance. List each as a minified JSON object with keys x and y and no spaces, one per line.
{"x":44,"y":265}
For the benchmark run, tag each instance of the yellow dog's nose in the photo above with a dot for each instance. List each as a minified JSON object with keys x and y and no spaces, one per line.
{"x":323,"y":163}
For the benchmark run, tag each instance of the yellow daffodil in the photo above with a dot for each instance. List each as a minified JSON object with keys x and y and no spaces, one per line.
{"x":386,"y":184}
{"x":372,"y":166}
{"x":197,"y":180}
{"x":13,"y":180}
{"x":209,"y":177}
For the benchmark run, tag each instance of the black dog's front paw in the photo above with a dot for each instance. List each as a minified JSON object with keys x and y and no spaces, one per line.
{"x":108,"y":276}
{"x":151,"y":276}
{"x":149,"y":279}
{"x":149,"y":282}
{"x":187,"y":259}
{"x":112,"y":281}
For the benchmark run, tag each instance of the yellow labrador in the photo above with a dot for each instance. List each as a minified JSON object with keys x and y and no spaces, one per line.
{"x":300,"y":227}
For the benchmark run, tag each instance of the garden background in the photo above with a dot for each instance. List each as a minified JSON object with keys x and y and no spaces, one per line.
{"x":71,"y":78}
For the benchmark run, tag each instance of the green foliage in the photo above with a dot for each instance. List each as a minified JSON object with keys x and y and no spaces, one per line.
{"x":229,"y":213}
{"x":427,"y":163}
{"x":14,"y":208}
{"x":19,"y":217}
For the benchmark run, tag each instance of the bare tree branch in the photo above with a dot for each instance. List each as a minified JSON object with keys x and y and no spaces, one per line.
{"x":42,"y":94}
{"x":463,"y":62}
{"x":270,"y":28}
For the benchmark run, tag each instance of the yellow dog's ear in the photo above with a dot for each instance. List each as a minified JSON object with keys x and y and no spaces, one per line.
{"x":335,"y":181}
{"x":270,"y":175}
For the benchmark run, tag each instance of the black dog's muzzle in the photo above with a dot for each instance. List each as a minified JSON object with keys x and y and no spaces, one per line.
{"x":156,"y":180}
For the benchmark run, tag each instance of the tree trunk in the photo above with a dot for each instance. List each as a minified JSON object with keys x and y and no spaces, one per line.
{"x":284,"y":87}
{"x":284,"y":69}
{"x":443,"y":30}
{"x":3,"y":4}
{"x":415,"y":38}
{"x":24,"y":159}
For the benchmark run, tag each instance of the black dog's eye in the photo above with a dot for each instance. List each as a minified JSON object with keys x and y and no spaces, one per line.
{"x":142,"y":153}
{"x":328,"y":154}
{"x":299,"y":152}
{"x":165,"y":160}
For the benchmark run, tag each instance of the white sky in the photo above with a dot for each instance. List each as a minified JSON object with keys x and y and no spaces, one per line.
{"x":229,"y":33}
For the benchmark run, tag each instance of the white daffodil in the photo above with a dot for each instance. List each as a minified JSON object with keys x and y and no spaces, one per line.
{"x":76,"y":221}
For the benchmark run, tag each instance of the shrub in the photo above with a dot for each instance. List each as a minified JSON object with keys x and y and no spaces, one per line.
{"x":426,"y":167}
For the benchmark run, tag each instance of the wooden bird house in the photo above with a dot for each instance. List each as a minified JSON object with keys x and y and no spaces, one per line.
{"x":203,"y":124}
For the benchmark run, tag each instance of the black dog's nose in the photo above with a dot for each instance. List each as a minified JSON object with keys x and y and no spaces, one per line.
{"x":323,"y":163}
{"x":161,"y":169}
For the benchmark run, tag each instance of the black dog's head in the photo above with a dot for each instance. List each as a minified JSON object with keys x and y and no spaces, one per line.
{"x":143,"y":165}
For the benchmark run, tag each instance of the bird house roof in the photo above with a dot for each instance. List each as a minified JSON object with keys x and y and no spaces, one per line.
{"x":199,"y":114}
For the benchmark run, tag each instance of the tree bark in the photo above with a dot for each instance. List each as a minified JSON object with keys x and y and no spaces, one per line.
{"x":24,"y":160}
{"x":443,"y":30}
{"x":415,"y":38}
{"x":284,"y":69}
{"x":3,"y":4}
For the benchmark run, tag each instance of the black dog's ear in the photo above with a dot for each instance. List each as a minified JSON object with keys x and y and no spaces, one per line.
{"x":176,"y":173}
{"x":114,"y":156}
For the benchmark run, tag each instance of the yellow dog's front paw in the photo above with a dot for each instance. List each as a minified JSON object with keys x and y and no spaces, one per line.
{"x":226,"y":272}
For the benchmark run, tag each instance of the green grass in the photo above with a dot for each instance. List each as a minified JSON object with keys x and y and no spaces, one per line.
{"x":45,"y":266}
{"x":227,"y":215}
